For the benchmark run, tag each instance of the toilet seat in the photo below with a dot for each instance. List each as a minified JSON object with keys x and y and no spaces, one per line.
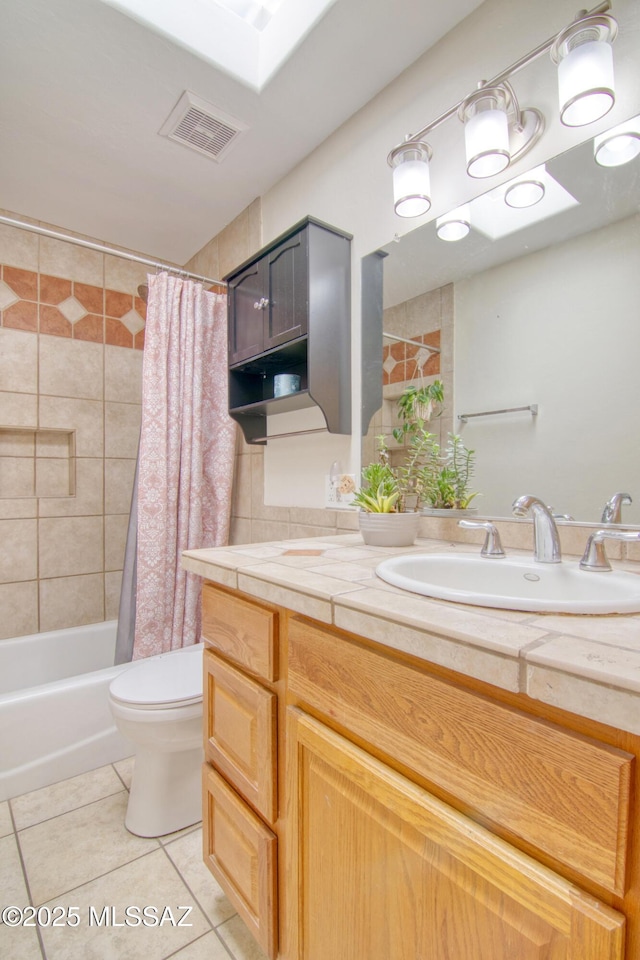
{"x":166,"y":681}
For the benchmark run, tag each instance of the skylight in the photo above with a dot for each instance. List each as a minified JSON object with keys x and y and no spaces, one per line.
{"x":248,"y":39}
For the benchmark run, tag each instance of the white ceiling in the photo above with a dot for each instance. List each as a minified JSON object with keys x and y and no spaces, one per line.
{"x":85,"y":90}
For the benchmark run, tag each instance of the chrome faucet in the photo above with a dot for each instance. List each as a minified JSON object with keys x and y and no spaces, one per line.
{"x":612,"y":512}
{"x":546,"y":542}
{"x":594,"y":557}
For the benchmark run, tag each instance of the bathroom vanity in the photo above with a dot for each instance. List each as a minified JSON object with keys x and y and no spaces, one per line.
{"x":389,"y":776}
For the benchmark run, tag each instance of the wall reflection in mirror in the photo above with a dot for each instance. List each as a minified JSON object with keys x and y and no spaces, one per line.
{"x":536,"y":305}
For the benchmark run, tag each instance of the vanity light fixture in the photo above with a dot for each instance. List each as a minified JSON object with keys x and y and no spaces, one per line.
{"x":497,"y":131}
{"x":411,"y":179}
{"x":584,"y":58}
{"x":618,"y":145}
{"x":454,"y":225}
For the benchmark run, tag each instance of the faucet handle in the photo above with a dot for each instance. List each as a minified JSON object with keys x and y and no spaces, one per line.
{"x":492,"y":546}
{"x":594,"y":557}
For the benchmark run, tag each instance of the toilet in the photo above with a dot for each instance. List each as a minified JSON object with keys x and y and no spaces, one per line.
{"x":157,"y":704}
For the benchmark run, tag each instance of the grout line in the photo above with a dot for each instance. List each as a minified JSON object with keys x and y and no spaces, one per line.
{"x":80,"y":806}
{"x":25,"y":877}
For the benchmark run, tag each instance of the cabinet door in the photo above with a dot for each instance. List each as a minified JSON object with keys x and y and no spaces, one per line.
{"x":240,"y":733}
{"x":286,"y":314}
{"x":386,"y":871}
{"x":246,"y":315}
{"x":241,"y":853}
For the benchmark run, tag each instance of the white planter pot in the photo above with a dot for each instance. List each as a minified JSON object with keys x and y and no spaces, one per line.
{"x":389,"y":529}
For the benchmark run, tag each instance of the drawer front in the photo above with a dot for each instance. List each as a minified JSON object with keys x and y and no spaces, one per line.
{"x":241,"y":853}
{"x":245,"y":632}
{"x":564,"y":794}
{"x":240,"y":732}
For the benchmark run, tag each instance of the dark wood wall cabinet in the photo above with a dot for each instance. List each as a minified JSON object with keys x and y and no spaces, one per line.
{"x":290,"y":313}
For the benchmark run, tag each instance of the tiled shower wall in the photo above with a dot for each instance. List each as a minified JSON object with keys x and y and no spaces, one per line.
{"x":71,"y":338}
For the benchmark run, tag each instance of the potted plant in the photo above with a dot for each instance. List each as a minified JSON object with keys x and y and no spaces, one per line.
{"x":417,"y":406}
{"x":389,"y":496}
{"x":447,"y":479}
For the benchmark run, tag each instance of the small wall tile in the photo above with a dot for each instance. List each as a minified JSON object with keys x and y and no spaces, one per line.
{"x":71,"y":601}
{"x":18,"y":550}
{"x":87,"y":500}
{"x":17,"y":477}
{"x":18,"y":248}
{"x":70,"y":545}
{"x":22,"y":282}
{"x":70,"y":368}
{"x":240,"y":531}
{"x":54,"y":443}
{"x":53,"y":323}
{"x":19,"y":604}
{"x":84,"y":417}
{"x":118,"y":479}
{"x":124,"y":275}
{"x":90,"y":328}
{"x":122,"y":375}
{"x":22,"y":315}
{"x":91,"y":298}
{"x":54,"y":290}
{"x":18,"y":361}
{"x":23,"y":508}
{"x":122,"y":429}
{"x":70,"y":261}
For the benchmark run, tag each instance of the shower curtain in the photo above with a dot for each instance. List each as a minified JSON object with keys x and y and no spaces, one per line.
{"x":185,"y":462}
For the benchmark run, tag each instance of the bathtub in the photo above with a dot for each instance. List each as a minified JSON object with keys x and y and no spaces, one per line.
{"x":55,"y":720}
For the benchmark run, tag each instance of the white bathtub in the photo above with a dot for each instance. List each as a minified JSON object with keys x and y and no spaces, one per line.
{"x":55,"y":720}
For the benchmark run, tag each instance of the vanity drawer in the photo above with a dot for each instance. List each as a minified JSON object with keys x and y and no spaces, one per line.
{"x":240,"y":732}
{"x":563,"y":794}
{"x":241,"y":853}
{"x":244,"y":631}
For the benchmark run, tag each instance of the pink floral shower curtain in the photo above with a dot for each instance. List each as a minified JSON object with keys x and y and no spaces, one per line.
{"x":187,"y":445}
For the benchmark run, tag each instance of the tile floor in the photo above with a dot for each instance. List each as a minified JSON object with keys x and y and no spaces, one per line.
{"x":66,"y":846}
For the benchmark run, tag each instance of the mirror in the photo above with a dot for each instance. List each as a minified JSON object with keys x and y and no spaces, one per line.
{"x":547,"y":315}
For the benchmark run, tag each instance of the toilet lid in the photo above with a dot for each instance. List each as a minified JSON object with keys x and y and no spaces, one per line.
{"x":168,"y":678}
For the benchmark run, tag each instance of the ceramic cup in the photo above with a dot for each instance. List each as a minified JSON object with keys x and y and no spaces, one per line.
{"x":285,"y":383}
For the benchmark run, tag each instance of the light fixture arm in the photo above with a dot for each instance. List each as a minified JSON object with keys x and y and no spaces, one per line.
{"x":500,"y":80}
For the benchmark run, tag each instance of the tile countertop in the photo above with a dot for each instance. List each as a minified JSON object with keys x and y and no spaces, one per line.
{"x":588,"y":665}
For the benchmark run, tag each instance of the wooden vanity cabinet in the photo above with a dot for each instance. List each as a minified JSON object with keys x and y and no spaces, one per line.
{"x":360,"y":803}
{"x":240,"y":774}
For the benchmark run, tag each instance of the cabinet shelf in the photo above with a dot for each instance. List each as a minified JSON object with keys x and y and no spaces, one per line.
{"x":293,"y":401}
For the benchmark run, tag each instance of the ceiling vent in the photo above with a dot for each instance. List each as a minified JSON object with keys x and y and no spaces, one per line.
{"x":202,"y":127}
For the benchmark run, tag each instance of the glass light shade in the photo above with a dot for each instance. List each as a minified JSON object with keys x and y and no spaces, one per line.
{"x":454,"y":225}
{"x":524,"y":193}
{"x":486,"y":136}
{"x":618,"y":145}
{"x":411,"y":180}
{"x":585,"y":83}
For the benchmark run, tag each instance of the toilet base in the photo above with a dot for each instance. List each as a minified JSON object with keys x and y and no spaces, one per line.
{"x":166,"y":792}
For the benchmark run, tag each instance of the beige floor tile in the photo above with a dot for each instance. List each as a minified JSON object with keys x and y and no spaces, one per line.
{"x":186,"y":853}
{"x":16,"y":943}
{"x":53,"y":801}
{"x":125,"y":770}
{"x":72,"y":849}
{"x":6,"y":827}
{"x":208,"y":947}
{"x":239,"y":941}
{"x":171,"y":837}
{"x":150,"y":881}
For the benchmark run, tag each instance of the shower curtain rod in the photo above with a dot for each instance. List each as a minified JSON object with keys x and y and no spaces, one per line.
{"x":103,"y":248}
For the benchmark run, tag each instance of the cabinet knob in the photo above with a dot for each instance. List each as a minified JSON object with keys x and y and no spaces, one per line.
{"x":265,"y":303}
{"x":258,"y":305}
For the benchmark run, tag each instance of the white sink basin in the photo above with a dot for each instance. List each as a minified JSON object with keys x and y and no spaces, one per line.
{"x":513,"y":584}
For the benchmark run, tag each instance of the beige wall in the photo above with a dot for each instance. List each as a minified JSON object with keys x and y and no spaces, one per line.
{"x":71,"y":334}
